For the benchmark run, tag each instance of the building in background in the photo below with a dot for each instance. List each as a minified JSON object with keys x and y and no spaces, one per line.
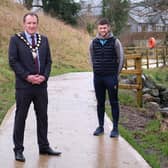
{"x":37,"y":6}
{"x":93,"y":7}
{"x":143,"y":19}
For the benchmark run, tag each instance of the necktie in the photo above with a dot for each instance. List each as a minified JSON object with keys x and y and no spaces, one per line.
{"x":35,"y":59}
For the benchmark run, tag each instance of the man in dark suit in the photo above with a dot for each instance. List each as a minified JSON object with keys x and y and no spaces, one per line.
{"x":30,"y":59}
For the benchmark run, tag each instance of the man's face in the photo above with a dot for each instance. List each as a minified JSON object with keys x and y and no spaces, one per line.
{"x":103,"y":30}
{"x":30,"y":24}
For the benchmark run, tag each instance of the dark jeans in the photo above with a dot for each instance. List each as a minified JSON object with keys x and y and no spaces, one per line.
{"x":101,"y":84}
{"x":24,"y":97}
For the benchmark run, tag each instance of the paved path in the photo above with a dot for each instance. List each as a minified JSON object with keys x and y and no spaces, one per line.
{"x":72,"y":120}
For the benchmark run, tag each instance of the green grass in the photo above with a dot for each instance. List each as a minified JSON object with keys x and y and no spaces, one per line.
{"x":150,"y":142}
{"x":69,"y":48}
{"x":6,"y":86}
{"x":129,"y":136}
{"x":159,"y":75}
{"x":61,"y":69}
{"x":127,"y":97}
{"x":7,"y":96}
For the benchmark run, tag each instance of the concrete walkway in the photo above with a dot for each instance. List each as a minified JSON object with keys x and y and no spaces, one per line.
{"x":72,"y":120}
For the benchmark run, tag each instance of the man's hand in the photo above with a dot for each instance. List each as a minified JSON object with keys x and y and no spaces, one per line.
{"x":41,"y":78}
{"x":35,"y":79}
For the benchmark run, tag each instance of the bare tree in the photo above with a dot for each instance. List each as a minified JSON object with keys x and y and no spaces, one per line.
{"x":161,"y":5}
{"x":158,"y":6}
{"x":153,"y":9}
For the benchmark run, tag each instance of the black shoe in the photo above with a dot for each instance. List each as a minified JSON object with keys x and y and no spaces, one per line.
{"x":99,"y":130}
{"x":19,"y":156}
{"x":49,"y":151}
{"x":114,"y":133}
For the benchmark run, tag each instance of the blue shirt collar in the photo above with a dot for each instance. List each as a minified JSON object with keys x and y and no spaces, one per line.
{"x":28,"y":37}
{"x":103,"y":41}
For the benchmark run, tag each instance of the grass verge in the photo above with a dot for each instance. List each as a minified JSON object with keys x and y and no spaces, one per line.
{"x":159,"y":75}
{"x":142,"y":141}
{"x":6,"y":86}
{"x":7,"y":95}
{"x":151,"y":140}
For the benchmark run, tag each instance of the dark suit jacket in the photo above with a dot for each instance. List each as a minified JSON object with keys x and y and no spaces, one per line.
{"x":22,"y":63}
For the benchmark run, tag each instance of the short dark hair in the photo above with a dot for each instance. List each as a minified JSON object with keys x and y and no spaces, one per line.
{"x":31,"y":14}
{"x":103,"y":21}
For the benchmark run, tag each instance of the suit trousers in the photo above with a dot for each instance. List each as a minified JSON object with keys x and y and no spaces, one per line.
{"x":24,"y":97}
{"x":101,"y":84}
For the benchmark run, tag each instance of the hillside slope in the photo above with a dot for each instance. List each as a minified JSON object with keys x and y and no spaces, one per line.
{"x":69,"y":47}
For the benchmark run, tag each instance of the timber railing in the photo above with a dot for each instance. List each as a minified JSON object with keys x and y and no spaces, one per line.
{"x":136,"y":59}
{"x":151,"y":58}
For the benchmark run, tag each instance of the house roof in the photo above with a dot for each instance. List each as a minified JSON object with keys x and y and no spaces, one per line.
{"x":164,"y":16}
{"x":142,"y":14}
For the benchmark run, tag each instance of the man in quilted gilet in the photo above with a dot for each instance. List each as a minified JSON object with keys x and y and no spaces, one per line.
{"x":107,"y":59}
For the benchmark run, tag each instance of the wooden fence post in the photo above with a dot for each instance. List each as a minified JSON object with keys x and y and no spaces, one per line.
{"x":139,"y":81}
{"x":138,"y":72}
{"x":157,"y":58}
{"x":147,"y":58}
{"x":164,"y":55}
{"x":136,"y":68}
